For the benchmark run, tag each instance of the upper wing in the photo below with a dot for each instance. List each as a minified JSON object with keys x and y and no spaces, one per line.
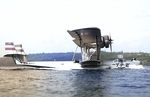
{"x":86,"y":36}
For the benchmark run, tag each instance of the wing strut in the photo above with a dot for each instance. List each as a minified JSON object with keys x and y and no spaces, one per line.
{"x":74,"y":53}
{"x":79,"y":39}
{"x":98,"y":48}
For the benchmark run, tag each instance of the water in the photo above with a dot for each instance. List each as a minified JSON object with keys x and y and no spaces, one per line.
{"x":75,"y":83}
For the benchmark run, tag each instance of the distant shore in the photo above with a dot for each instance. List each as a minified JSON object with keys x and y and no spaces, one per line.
{"x":68,"y":56}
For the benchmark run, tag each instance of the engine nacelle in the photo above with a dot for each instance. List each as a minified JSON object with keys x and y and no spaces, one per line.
{"x":106,"y":41}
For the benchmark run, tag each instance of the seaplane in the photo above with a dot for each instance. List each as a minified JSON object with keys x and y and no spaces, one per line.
{"x":90,"y":41}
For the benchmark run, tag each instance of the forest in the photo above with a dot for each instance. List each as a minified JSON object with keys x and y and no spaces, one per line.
{"x":105,"y":56}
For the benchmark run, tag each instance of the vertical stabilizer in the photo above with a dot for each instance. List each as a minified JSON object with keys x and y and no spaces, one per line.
{"x":9,"y":47}
{"x":19,"y":49}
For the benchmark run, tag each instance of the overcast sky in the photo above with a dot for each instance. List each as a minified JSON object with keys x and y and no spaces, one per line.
{"x":41,"y":25}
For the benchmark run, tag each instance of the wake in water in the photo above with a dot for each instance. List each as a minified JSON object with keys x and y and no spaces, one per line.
{"x":70,"y":65}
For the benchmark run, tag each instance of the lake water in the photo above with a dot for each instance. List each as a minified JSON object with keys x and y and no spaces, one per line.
{"x":33,"y":82}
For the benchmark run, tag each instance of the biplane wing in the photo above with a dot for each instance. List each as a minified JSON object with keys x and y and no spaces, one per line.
{"x":86,"y":36}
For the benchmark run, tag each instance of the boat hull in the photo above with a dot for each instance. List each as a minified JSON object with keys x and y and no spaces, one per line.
{"x":91,"y":63}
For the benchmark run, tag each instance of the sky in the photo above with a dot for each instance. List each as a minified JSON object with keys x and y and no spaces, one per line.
{"x":41,"y":25}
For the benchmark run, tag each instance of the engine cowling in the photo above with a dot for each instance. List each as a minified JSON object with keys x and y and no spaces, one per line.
{"x":106,"y":41}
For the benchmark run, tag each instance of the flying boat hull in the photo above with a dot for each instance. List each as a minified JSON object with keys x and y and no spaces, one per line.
{"x":90,"y":63}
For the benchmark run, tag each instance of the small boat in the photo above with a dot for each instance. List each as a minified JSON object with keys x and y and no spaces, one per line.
{"x":121,"y":63}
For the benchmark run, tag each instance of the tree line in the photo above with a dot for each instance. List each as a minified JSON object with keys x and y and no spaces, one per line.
{"x":105,"y":56}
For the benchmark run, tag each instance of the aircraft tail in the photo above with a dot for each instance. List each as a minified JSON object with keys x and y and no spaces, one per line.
{"x":16,"y":52}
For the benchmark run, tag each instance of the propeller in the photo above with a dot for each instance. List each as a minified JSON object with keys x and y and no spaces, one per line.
{"x":110,"y":42}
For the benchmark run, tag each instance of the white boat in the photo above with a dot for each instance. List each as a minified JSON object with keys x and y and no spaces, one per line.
{"x":121,"y":63}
